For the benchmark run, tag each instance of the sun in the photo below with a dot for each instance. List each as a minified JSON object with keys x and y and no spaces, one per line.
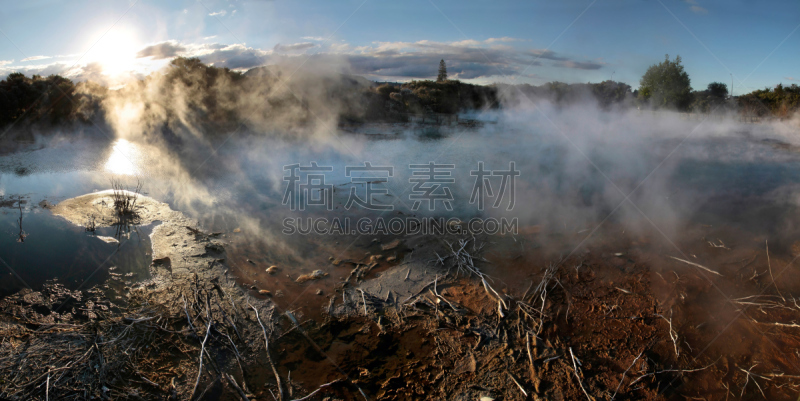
{"x":115,"y":52}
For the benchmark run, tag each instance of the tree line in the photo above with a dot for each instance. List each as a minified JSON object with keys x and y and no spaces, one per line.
{"x":216,"y":95}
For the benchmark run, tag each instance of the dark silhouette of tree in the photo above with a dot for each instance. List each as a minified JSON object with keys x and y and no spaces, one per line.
{"x":442,"y":72}
{"x":713,"y":98}
{"x":717,"y":90}
{"x":37,"y":99}
{"x":667,"y":85}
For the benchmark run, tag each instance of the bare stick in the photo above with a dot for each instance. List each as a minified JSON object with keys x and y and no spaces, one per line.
{"x":189,"y":319}
{"x":696,"y":265}
{"x":437,"y":295}
{"x":235,"y":385}
{"x":488,"y":287}
{"x":766,"y":242}
{"x":747,"y":380}
{"x":525,"y":295}
{"x":364,"y":300}
{"x":200,"y":368}
{"x":269,"y":358}
{"x":530,"y":356}
{"x":517,"y":383}
{"x":623,"y":375}
{"x":318,"y":390}
{"x":681,"y":371}
{"x":577,"y":376}
{"x":148,"y":381}
{"x":673,"y":335}
{"x":792,"y":325}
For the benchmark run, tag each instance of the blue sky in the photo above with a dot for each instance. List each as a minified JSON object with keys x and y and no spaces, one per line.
{"x":498,"y":41}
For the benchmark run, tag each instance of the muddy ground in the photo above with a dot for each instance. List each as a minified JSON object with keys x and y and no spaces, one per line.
{"x":189,"y":332}
{"x":604,"y":315}
{"x":619,"y":317}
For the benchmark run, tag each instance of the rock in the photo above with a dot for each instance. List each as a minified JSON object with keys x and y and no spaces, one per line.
{"x":391,"y":245}
{"x":215,"y":247}
{"x":319,"y":291}
{"x":315,"y":275}
{"x":272,"y":269}
{"x":264,"y":292}
{"x":107,"y":240}
{"x":391,"y":258}
{"x":237,"y":230}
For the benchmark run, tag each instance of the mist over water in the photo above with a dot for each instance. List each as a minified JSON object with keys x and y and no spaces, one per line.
{"x":579,"y":166}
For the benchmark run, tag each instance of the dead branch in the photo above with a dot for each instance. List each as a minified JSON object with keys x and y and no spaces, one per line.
{"x":624,"y":373}
{"x":235,"y":385}
{"x":522,"y":389}
{"x":318,"y":390}
{"x":577,"y":375}
{"x":202,"y":350}
{"x":769,"y":266}
{"x":269,"y":358}
{"x":696,"y":265}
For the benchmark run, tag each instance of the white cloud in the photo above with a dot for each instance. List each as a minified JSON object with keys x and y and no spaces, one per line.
{"x":220,"y":13}
{"x":35,"y":58}
{"x":44,"y":70}
{"x":161,"y":50}
{"x":503,"y":39}
{"x":236,"y":56}
{"x":488,"y":59}
{"x":467,"y":59}
{"x":293,"y":47}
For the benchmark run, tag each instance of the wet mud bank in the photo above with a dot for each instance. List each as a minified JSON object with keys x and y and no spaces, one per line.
{"x":188,"y":332}
{"x":547,"y":314}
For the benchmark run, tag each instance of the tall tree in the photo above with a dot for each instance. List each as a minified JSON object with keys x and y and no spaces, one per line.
{"x":717,"y":90}
{"x":442,"y":72}
{"x":666,"y":84}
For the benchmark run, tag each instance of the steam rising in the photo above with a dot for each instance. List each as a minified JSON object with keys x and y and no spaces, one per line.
{"x":580,"y":165}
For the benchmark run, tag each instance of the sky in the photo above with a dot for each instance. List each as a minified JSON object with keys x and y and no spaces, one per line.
{"x":752,"y":44}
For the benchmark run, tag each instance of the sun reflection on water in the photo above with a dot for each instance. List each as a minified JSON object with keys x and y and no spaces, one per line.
{"x":123,"y":157}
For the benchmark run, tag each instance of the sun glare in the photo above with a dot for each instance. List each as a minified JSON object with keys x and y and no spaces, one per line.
{"x":115,"y":52}
{"x":123,"y":156}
